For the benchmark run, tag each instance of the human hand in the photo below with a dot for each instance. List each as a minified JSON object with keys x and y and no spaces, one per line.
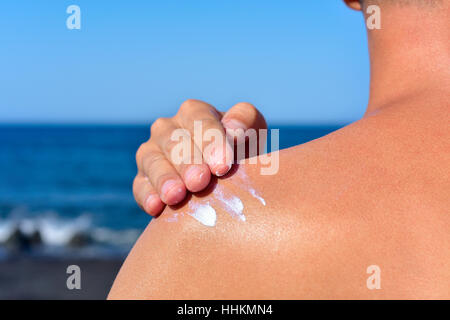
{"x":161,"y":180}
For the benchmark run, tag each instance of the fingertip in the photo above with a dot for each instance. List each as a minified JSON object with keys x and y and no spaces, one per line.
{"x":234,"y":124}
{"x":220,"y":160}
{"x":234,"y":129}
{"x":153,"y":205}
{"x":197,"y":178}
{"x":173,"y":192}
{"x":221,"y":170}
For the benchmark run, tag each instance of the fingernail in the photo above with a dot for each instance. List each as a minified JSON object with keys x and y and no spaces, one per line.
{"x":234,"y":129}
{"x":152,"y":203}
{"x":219,"y":163}
{"x":234,"y":124}
{"x":195,"y":178}
{"x":173,"y":192}
{"x":221,"y":169}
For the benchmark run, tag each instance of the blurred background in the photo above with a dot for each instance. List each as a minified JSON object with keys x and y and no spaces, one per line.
{"x":76,"y":104}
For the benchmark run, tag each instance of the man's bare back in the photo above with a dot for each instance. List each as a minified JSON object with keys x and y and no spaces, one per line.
{"x":375,"y":193}
{"x":323,"y":225}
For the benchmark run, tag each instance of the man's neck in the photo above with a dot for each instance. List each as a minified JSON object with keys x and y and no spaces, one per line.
{"x":410,"y":54}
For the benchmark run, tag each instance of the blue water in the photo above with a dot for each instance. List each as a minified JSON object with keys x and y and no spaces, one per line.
{"x":60,"y":180}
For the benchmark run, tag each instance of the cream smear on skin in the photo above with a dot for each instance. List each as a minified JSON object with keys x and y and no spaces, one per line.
{"x":244,"y":183}
{"x":255,"y":194}
{"x":203,"y":212}
{"x":231,"y":204}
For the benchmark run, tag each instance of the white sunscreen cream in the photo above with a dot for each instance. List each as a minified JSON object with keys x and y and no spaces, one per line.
{"x":255,"y":194}
{"x":244,"y":183}
{"x":232,"y":204}
{"x":203,"y":213}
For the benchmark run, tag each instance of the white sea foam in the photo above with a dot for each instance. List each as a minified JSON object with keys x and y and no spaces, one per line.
{"x":56,"y":231}
{"x":115,"y":237}
{"x":59,"y":232}
{"x":6,"y":229}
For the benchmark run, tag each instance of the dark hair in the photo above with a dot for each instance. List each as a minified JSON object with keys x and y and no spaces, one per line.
{"x":405,"y":2}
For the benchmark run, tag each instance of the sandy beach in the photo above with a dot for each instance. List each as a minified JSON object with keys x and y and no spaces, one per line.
{"x":45,"y":278}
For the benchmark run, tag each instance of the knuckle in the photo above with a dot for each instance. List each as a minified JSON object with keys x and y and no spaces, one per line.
{"x":140,"y":152}
{"x":189,"y":106}
{"x":135,"y":188}
{"x":169,"y":145}
{"x":158,"y":125}
{"x":212,"y":124}
{"x":150,"y":162}
{"x":246,"y":107}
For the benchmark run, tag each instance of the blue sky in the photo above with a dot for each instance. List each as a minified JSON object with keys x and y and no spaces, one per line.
{"x":299,"y":62}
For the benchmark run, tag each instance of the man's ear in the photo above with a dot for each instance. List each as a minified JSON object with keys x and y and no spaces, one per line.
{"x":354,"y":4}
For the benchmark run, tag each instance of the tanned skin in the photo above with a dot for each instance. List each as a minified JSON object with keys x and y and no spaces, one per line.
{"x":376,"y":192}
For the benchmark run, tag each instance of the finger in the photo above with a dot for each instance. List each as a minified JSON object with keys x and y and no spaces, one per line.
{"x":146,"y":196}
{"x":203,"y":123}
{"x":241,"y":117}
{"x":178,"y":147}
{"x":162,"y":175}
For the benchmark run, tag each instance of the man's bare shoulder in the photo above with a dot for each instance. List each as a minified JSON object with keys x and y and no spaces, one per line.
{"x":233,"y":244}
{"x":234,"y":241}
{"x":309,"y":231}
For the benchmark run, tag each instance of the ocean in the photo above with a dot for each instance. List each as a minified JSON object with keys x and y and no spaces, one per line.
{"x":66,"y":190}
